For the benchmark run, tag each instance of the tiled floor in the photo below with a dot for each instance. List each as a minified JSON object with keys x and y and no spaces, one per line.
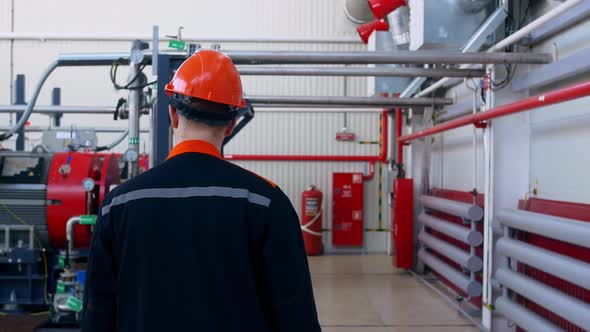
{"x":366,"y":294}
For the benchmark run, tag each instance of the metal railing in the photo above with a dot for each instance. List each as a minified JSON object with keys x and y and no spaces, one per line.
{"x":567,"y":268}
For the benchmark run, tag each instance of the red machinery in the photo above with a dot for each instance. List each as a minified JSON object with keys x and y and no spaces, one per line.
{"x":311,"y":220}
{"x":347,"y":213}
{"x":403,"y":223}
{"x":67,"y":197}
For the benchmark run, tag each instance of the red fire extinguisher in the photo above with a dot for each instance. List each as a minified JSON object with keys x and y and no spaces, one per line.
{"x":311,"y":220}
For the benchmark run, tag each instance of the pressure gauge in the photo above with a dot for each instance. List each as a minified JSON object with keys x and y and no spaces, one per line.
{"x":136,"y":56}
{"x":131,"y":155}
{"x":88,"y":184}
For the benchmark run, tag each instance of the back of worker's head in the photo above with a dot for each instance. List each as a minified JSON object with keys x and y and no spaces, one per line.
{"x":206,"y":93}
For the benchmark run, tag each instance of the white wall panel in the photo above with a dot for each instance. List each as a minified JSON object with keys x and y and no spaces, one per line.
{"x":295,"y":177}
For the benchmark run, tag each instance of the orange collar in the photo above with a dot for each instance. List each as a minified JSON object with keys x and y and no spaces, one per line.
{"x":195,"y":146}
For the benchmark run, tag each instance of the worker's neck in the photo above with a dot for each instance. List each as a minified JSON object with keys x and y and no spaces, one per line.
{"x":211,"y":136}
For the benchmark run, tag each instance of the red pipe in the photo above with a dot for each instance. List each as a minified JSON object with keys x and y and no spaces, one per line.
{"x":384,"y":137}
{"x":255,"y":157}
{"x":371,"y":172}
{"x":398,"y":134}
{"x":554,"y":97}
{"x":381,"y":158}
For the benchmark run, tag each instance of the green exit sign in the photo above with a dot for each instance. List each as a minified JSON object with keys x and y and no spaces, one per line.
{"x":177,"y":44}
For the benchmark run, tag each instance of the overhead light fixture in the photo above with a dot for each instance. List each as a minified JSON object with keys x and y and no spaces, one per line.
{"x":366,"y":30}
{"x":381,"y":8}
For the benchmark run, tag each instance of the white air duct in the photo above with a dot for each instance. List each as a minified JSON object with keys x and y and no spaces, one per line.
{"x":358,"y":11}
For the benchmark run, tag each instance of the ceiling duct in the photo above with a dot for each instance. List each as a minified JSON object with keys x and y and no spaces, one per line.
{"x":399,"y":22}
{"x":445,"y":24}
{"x":358,"y":11}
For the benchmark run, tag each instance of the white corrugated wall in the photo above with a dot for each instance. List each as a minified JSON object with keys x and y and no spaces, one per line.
{"x":269,"y":133}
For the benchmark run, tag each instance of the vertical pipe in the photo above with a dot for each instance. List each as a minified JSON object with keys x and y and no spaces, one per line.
{"x":56,"y":101}
{"x":19,"y":99}
{"x":134,"y":109}
{"x":398,"y":134}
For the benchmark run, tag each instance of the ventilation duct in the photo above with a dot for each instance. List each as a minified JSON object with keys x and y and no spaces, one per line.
{"x":399,"y":21}
{"x":445,"y":24}
{"x":358,"y":11}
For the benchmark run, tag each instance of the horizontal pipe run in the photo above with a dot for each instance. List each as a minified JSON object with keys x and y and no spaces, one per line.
{"x":42,"y":36}
{"x":470,"y":287}
{"x":523,"y":317}
{"x":108,"y":130}
{"x":463,"y":234}
{"x":238,"y":157}
{"x":470,"y":262}
{"x":347,"y":101}
{"x":384,"y":57}
{"x":575,"y":271}
{"x":554,"y":97}
{"x":59,"y":109}
{"x":568,"y":307}
{"x":562,"y":229}
{"x":510,"y":40}
{"x":459,"y":209}
{"x":362,"y":72}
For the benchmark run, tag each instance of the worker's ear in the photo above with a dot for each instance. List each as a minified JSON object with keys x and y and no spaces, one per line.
{"x":230,"y":128}
{"x":173,"y":117}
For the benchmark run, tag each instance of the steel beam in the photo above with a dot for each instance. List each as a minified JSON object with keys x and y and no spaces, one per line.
{"x":362,"y":72}
{"x":569,"y":67}
{"x":347,"y":101}
{"x":563,"y":229}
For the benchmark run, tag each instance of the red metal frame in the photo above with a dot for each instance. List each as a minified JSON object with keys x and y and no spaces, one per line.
{"x":554,"y":97}
{"x":398,"y":134}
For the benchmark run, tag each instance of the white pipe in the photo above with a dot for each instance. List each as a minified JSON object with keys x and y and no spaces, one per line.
{"x":524,"y":317}
{"x":510,"y":40}
{"x":38,"y":36}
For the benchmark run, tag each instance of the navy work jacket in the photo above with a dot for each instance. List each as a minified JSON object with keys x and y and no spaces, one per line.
{"x":198,"y":244}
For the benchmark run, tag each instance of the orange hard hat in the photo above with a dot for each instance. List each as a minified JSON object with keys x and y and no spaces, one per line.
{"x":208,"y":75}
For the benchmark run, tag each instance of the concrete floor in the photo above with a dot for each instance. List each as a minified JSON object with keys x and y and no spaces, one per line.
{"x":366,"y":294}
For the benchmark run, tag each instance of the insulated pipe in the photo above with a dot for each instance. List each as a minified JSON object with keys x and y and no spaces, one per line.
{"x":29,"y":109}
{"x":363,"y":72}
{"x":459,"y":209}
{"x":470,"y":287}
{"x":570,"y":269}
{"x":384,"y":57}
{"x":523,"y":317}
{"x":512,"y":39}
{"x":568,"y":307}
{"x":95,"y":129}
{"x":59,"y":109}
{"x":201,"y":39}
{"x":465,"y":235}
{"x":70,"y":232}
{"x":554,"y":97}
{"x":348,"y":101}
{"x":470,"y":262}
{"x":562,"y":229}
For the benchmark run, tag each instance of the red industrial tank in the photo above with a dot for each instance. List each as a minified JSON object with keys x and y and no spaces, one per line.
{"x":403,"y":223}
{"x":66,"y":196}
{"x":311,"y":220}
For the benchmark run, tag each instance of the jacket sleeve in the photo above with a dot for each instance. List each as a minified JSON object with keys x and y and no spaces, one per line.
{"x":286,"y":272}
{"x":99,"y":311}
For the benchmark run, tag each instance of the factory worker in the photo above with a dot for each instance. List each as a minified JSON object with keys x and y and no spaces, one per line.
{"x":198,"y":243}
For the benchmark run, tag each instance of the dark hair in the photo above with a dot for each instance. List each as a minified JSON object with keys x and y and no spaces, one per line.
{"x":210,"y":113}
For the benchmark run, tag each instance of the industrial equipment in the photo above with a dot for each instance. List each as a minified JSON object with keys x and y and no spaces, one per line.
{"x":347,"y":213}
{"x":403,"y":223}
{"x":311,"y":220}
